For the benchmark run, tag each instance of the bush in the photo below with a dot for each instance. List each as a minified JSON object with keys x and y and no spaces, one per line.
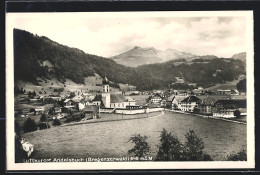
{"x":43,"y":125}
{"x":29,"y":125}
{"x":141,"y":147}
{"x":56,"y":122}
{"x":239,"y":156}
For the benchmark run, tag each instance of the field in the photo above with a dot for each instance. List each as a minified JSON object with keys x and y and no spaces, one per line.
{"x":110,"y":139}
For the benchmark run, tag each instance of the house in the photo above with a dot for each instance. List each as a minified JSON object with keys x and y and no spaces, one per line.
{"x":226,"y":107}
{"x":206,"y":105}
{"x":223,"y":92}
{"x":176,"y":102}
{"x":38,"y":111}
{"x":91,"y":112}
{"x":68,"y":103}
{"x":57,"y":110}
{"x":189,"y":103}
{"x":131,"y":101}
{"x":156,"y":99}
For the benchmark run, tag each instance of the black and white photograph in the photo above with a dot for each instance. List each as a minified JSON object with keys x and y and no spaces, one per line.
{"x":130,"y":90}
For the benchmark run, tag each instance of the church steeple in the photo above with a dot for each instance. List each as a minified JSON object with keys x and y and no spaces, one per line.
{"x":105,"y":83}
{"x":105,"y":93}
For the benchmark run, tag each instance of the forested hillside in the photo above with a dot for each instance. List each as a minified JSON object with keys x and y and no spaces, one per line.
{"x":31,"y":51}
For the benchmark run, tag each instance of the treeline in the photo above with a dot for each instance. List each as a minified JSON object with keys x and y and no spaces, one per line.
{"x":30,"y":51}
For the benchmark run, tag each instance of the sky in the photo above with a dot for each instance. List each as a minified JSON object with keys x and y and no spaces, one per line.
{"x":109,"y":34}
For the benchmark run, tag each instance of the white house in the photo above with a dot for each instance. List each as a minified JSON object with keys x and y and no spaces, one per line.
{"x":189,"y":103}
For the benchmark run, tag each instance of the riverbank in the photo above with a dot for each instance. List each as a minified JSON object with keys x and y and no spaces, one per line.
{"x":206,"y":116}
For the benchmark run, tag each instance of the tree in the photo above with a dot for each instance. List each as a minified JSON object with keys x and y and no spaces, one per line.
{"x":72,"y":94}
{"x":241,"y":85}
{"x":29,"y":125}
{"x":44,"y":118}
{"x":170,"y":147}
{"x":56,"y":122}
{"x":239,"y":156}
{"x":141,"y":147}
{"x":193,"y":148}
{"x":237,"y":113}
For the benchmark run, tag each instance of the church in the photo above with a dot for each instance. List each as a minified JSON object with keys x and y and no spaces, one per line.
{"x":108,"y":100}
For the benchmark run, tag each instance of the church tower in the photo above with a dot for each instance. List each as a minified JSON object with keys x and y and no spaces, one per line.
{"x":106,"y":93}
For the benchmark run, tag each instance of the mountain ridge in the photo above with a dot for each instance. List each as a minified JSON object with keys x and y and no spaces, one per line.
{"x":31,"y":53}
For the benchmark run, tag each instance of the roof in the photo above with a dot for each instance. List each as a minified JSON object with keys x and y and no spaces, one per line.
{"x":67,"y":100}
{"x":191,"y":99}
{"x":98,"y":97}
{"x":208,"y":101}
{"x":179,"y":98}
{"x":129,"y":98}
{"x":156,"y":95}
{"x":117,"y":98}
{"x":231,"y":104}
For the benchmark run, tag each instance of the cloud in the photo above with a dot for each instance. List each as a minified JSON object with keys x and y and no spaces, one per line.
{"x":109,"y":36}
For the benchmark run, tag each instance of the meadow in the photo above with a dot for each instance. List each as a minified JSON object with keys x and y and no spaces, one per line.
{"x":110,"y":139}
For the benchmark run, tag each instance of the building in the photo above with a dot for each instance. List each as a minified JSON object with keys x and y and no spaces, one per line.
{"x":189,"y":103}
{"x":223,"y":92}
{"x":108,"y":100}
{"x":206,"y":105}
{"x":38,"y":111}
{"x":225,"y":108}
{"x":156,"y":99}
{"x":176,"y":102}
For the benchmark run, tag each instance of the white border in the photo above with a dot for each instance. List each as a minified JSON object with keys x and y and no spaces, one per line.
{"x":250,"y":163}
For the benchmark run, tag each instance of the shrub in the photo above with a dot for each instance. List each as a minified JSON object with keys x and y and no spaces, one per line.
{"x":56,"y":122}
{"x":43,"y":125}
{"x":29,"y":125}
{"x":239,"y":156}
{"x":141,"y":147}
{"x":170,"y":147}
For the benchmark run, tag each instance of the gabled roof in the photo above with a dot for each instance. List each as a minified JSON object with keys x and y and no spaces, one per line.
{"x":179,"y":98}
{"x":157,"y":95}
{"x":98,"y":97}
{"x":191,"y":99}
{"x":117,"y":98}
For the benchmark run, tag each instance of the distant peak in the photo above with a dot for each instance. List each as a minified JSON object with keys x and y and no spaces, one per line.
{"x":137,"y":47}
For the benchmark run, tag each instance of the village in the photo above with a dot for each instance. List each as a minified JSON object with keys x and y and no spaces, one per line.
{"x":79,"y":106}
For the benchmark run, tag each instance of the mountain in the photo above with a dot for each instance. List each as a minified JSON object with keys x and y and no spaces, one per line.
{"x":40,"y":57}
{"x":140,"y":56}
{"x":240,"y":56}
